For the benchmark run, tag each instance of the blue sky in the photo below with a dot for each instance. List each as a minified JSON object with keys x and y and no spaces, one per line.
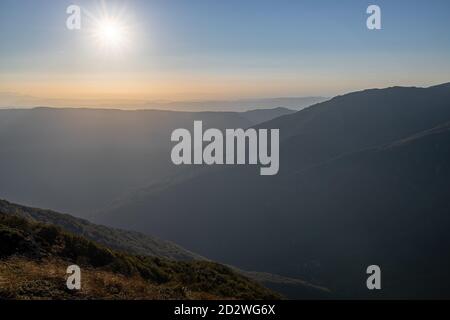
{"x":194,"y":49}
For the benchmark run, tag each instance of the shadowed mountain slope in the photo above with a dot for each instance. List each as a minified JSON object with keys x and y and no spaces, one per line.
{"x":363,"y":180}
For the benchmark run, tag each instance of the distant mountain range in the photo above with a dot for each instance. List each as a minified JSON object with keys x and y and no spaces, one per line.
{"x":294,"y":103}
{"x":364,"y":179}
{"x":8,"y":100}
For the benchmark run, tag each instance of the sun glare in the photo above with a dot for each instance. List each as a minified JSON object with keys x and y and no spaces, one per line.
{"x":111,"y":33}
{"x":110,"y":28}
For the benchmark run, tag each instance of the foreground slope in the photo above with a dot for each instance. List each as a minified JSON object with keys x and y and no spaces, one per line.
{"x":141,"y":244}
{"x":34,"y":258}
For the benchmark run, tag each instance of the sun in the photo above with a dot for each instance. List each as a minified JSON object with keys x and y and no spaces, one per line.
{"x":111,"y":33}
{"x":111,"y":27}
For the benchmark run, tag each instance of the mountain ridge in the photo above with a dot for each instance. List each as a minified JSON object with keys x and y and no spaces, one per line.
{"x":127,"y":241}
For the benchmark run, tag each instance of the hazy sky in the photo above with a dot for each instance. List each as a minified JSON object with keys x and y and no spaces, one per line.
{"x":208,"y":49}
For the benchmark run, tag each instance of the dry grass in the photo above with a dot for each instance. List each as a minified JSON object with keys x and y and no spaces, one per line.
{"x":24,"y":279}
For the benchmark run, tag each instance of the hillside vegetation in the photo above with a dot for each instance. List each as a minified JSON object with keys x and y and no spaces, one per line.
{"x":34,"y":258}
